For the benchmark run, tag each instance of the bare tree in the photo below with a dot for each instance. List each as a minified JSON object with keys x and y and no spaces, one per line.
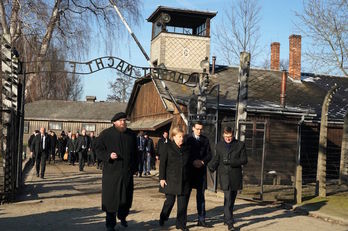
{"x":325,"y":23}
{"x":241,"y":32}
{"x":120,"y":89}
{"x":55,"y":84}
{"x":284,"y":64}
{"x":66,"y":24}
{"x":266,"y":63}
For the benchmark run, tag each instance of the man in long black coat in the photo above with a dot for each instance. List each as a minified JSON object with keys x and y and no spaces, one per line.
{"x":230,"y":157}
{"x":117,"y":148}
{"x":41,"y":148}
{"x":200,"y":157}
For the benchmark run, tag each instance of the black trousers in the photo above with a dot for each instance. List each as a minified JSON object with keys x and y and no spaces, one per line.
{"x":90,"y":158}
{"x":141,"y":157}
{"x":82,"y":156}
{"x":181,"y":216}
{"x":41,"y":160}
{"x":200,"y":201}
{"x":72,"y":157}
{"x":229,"y":199}
{"x":122,"y":213}
{"x":52,"y":156}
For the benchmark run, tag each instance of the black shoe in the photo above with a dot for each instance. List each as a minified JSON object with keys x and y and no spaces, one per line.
{"x":161,"y":222}
{"x":182,"y":228}
{"x":124,"y":223}
{"x":37,"y":174}
{"x":203,"y":224}
{"x":230,"y":227}
{"x":42,"y":177}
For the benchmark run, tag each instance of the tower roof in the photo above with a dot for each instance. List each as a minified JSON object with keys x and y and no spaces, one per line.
{"x":179,"y":16}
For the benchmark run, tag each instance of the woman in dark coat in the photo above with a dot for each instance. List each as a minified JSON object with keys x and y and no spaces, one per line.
{"x":117,"y":148}
{"x":229,"y":158}
{"x":72,"y":148}
{"x":174,"y":178}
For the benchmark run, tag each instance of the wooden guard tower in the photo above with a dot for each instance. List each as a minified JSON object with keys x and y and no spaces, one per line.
{"x":180,"y":38}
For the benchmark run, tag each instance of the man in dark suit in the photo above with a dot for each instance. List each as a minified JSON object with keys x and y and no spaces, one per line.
{"x":200,"y":156}
{"x":229,"y":159}
{"x":30,"y":142}
{"x":161,"y":144}
{"x":149,"y":151}
{"x":141,"y":144}
{"x":53,"y":145}
{"x":41,"y":148}
{"x":83,"y":144}
{"x":91,"y":150}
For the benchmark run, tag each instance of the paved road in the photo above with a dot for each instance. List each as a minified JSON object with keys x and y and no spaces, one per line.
{"x":69,"y":200}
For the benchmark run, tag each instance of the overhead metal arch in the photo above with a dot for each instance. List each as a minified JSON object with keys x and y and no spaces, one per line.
{"x":112,"y":62}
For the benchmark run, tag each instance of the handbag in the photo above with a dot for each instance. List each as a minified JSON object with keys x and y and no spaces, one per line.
{"x":65,"y":157}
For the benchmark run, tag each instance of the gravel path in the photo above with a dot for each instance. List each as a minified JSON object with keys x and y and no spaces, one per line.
{"x":69,"y":200}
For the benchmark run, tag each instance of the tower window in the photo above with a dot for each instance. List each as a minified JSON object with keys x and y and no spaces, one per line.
{"x":201,"y":30}
{"x":179,"y":30}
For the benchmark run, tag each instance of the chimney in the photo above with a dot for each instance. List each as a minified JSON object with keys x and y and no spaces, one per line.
{"x":295,"y":57}
{"x":283,"y":88}
{"x":275,"y":56}
{"x":213,"y":65}
{"x":91,"y":99}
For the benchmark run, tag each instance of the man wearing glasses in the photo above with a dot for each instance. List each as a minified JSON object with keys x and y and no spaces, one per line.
{"x":229,"y":159}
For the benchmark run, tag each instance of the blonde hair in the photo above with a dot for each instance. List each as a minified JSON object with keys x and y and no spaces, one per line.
{"x":175,"y":131}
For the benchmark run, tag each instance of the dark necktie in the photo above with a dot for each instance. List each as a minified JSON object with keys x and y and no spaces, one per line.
{"x":42,"y":143}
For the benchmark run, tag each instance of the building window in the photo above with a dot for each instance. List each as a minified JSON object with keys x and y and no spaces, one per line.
{"x":26,"y":127}
{"x":55,"y":126}
{"x":89,"y":127}
{"x":201,"y":30}
{"x":179,"y":30}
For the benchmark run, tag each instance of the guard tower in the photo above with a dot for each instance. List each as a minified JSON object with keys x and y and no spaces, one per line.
{"x":180,"y":38}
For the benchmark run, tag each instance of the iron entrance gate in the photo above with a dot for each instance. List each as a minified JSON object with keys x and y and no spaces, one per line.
{"x":11,"y":124}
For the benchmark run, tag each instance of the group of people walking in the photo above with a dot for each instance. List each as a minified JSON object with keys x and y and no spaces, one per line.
{"x":184,"y":160}
{"x":69,"y":147}
{"x":81,"y":148}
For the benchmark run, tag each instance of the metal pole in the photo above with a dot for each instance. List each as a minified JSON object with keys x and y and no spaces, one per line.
{"x":130,"y":31}
{"x":147,"y":59}
{"x":21,"y":126}
{"x":217,"y":130}
{"x":298,"y":170}
{"x":263,"y":159}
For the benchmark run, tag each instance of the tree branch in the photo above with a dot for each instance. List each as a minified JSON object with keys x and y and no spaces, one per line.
{"x":50,"y":28}
{"x":5,"y":27}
